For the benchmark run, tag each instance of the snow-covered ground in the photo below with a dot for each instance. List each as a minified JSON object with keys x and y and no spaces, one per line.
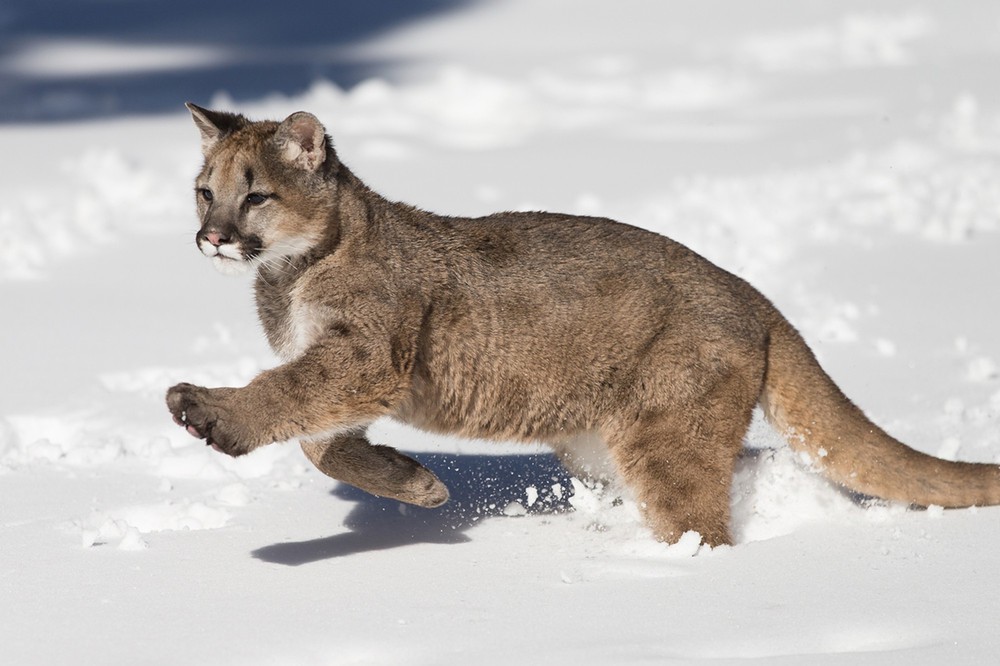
{"x":842,"y":156}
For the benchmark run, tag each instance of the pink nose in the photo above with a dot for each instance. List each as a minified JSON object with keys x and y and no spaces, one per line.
{"x":214,"y":238}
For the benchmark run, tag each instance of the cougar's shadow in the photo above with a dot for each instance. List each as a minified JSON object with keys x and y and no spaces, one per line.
{"x":481,"y":486}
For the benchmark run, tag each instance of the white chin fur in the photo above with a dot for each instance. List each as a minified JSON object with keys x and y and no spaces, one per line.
{"x":230,"y":266}
{"x":286,"y":248}
{"x":207,"y":248}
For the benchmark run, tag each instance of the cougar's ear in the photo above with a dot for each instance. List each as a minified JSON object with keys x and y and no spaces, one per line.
{"x":301,"y":139}
{"x":214,"y":125}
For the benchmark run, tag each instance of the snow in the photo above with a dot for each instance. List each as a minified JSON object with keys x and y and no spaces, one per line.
{"x":840,"y":155}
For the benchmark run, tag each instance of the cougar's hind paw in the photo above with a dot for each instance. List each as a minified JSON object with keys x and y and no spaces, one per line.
{"x":427,"y":491}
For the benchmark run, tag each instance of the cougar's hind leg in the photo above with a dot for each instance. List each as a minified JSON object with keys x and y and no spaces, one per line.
{"x":679,"y":458}
{"x":681,"y":470}
{"x":379,"y":470}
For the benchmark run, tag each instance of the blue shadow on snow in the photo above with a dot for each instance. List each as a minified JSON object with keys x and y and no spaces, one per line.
{"x":248,"y":49}
{"x":481,"y":486}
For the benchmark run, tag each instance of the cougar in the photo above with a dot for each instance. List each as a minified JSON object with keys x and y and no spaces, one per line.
{"x":537,"y":327}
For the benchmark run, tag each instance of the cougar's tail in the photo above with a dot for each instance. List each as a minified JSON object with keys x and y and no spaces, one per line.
{"x":801,"y":400}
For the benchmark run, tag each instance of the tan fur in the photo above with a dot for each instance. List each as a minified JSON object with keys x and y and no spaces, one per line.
{"x":523,"y":326}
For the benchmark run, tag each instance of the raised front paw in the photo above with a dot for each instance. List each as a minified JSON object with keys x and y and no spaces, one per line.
{"x":207,"y":414}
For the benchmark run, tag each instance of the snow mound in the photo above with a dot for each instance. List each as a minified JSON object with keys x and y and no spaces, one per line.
{"x":104,"y":195}
{"x":124,"y":527}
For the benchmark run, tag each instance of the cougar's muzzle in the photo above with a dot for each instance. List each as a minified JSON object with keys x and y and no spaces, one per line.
{"x":229,"y":250}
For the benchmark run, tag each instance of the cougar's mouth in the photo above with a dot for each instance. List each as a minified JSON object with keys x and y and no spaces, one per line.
{"x":232,"y":257}
{"x":227,"y":259}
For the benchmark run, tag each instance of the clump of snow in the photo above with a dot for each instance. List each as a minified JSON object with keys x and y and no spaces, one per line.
{"x":514,"y":509}
{"x":949,"y":448}
{"x":132,"y":540}
{"x":687,"y":546}
{"x":586,"y":499}
{"x":531,"y":493}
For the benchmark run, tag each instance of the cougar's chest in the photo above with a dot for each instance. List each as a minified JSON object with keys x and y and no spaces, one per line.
{"x":291,"y":321}
{"x":305,"y":323}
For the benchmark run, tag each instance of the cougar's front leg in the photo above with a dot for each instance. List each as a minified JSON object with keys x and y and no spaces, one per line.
{"x":379,"y":470}
{"x":332,"y":386}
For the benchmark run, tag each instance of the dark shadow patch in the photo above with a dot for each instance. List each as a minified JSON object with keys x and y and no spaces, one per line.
{"x":481,"y":487}
{"x":257,"y":47}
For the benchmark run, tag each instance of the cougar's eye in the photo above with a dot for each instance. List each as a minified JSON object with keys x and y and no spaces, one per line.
{"x":205,"y":194}
{"x":256,"y":198}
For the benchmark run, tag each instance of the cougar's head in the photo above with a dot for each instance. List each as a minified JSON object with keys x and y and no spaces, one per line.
{"x":265,"y":192}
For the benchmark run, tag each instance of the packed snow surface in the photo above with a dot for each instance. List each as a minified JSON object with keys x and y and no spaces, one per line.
{"x":840,"y":156}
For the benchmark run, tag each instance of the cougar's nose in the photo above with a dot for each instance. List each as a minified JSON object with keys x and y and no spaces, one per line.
{"x":215,"y":237}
